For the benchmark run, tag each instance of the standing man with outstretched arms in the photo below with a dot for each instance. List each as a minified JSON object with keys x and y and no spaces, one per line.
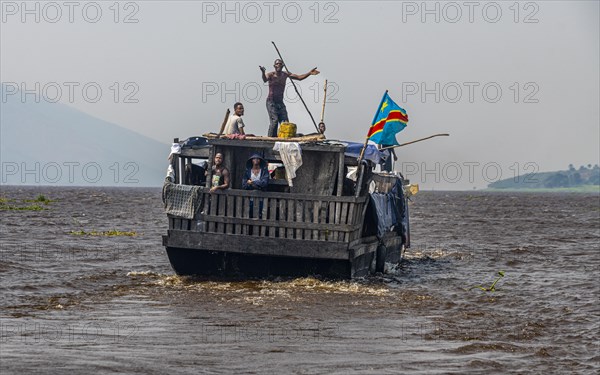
{"x":275,"y":106}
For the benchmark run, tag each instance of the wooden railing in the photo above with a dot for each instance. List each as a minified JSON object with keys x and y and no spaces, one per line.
{"x":277,"y":215}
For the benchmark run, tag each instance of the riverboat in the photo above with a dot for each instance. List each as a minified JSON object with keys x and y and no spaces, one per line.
{"x":325,"y":221}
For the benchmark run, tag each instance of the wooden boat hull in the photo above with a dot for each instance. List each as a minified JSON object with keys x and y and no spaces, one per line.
{"x":204,"y":254}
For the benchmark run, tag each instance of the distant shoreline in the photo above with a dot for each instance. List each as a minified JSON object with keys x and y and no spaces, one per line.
{"x":574,"y":189}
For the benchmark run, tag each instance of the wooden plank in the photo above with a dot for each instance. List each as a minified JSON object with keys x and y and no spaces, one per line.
{"x":264,"y":214}
{"x":238,"y":213}
{"x":291,"y":216}
{"x":315,"y":218}
{"x":282,"y":216}
{"x":363,"y":248}
{"x":351,"y":216}
{"x":317,"y":175}
{"x":322,"y":219}
{"x":343,"y":219}
{"x":350,"y":220}
{"x":230,"y":213}
{"x":338,"y":213}
{"x":267,"y":145}
{"x":307,"y":218}
{"x":211,"y":153}
{"x":341,"y":174}
{"x":360,"y":213}
{"x":299,"y":218}
{"x":255,"y":210}
{"x":175,"y":165}
{"x":182,"y":169}
{"x":216,"y":200}
{"x":199,"y":241}
{"x":273,"y":210}
{"x":338,"y":218}
{"x":204,"y":208}
{"x":363,"y":213}
{"x":332,"y":235}
{"x":245,"y":214}
{"x":275,"y":223}
{"x":222,"y":211}
{"x":212,"y":210}
{"x":253,"y":193}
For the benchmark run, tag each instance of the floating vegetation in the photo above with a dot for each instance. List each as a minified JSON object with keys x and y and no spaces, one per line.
{"x":36,"y":206}
{"x":33,"y":207}
{"x":4,"y":200}
{"x":108,"y":233}
{"x":492,"y":287}
{"x":40,"y":199}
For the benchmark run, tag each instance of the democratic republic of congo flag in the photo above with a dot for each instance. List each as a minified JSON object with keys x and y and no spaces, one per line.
{"x":389,"y":120}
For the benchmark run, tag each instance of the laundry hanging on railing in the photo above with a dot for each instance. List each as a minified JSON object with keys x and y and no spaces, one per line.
{"x":291,"y":156}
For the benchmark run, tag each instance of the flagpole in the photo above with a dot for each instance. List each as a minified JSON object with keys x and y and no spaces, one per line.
{"x":418,"y":140}
{"x":362,"y":152}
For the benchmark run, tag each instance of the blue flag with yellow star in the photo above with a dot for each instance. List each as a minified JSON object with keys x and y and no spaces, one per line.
{"x":389,"y":120}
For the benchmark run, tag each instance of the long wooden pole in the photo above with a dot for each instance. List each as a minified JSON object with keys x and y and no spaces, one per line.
{"x":324,"y":100}
{"x":295,"y":88}
{"x":418,"y":140}
{"x":224,"y":123}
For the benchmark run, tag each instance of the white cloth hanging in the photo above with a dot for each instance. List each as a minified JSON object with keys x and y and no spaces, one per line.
{"x":291,"y":156}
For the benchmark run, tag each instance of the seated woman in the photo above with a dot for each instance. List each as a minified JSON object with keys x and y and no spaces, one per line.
{"x":256,"y":176}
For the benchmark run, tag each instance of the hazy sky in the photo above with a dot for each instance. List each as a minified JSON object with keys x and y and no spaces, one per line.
{"x":516,"y":84}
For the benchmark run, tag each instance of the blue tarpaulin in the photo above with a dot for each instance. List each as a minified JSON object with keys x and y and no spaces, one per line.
{"x":371,"y":152}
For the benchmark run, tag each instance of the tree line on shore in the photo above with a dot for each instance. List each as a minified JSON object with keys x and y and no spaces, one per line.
{"x":570,"y":178}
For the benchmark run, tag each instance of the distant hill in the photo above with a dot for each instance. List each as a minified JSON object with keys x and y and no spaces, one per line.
{"x":570,"y":178}
{"x":54,"y":144}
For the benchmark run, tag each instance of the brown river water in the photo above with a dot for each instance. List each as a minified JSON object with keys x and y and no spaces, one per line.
{"x":82,"y":304}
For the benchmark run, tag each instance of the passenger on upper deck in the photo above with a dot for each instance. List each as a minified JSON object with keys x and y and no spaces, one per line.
{"x":235,"y":124}
{"x":275,"y":106}
{"x":256,"y":176}
{"x":322,"y":127}
{"x":220,"y":174}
